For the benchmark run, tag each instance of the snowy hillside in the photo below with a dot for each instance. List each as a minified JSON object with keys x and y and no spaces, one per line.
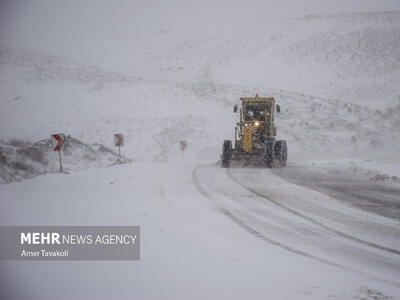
{"x":324,"y":71}
{"x":351,"y":57}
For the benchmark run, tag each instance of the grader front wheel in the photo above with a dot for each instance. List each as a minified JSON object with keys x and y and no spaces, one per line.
{"x":269,"y":154}
{"x":226,"y":154}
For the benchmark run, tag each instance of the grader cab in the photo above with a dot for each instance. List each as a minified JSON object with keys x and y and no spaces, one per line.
{"x":255,"y":133}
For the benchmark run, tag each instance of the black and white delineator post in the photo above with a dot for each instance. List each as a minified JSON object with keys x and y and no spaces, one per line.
{"x":57,"y":142}
{"x":183,"y":147}
{"x":119,"y":141}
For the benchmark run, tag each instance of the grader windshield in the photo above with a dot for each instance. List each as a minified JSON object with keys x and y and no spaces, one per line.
{"x":256,"y":110}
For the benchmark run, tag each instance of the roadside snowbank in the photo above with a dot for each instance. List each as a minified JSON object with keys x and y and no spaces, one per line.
{"x":23,"y":161}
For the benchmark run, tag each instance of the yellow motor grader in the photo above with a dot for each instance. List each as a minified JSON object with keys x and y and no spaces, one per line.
{"x":255,"y":133}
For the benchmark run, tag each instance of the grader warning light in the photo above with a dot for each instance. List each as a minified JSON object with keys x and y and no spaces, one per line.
{"x":255,"y":134}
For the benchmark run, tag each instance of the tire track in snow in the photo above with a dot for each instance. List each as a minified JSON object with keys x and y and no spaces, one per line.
{"x":313,"y":221}
{"x":267,"y":239}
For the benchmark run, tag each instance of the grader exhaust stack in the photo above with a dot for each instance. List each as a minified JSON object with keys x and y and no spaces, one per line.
{"x":255,"y":133}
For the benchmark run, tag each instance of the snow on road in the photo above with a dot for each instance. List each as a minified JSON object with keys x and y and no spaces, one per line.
{"x":285,"y":212}
{"x":365,"y":188}
{"x":191,"y":248}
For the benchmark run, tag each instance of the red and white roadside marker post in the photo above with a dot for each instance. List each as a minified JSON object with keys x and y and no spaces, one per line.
{"x":118,"y":142}
{"x":183,"y":146}
{"x":57,"y":142}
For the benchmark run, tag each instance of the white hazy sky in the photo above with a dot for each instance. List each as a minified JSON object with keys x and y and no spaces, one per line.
{"x":47,"y":20}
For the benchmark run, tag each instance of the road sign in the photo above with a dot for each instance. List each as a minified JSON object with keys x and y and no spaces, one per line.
{"x":57,"y":141}
{"x":183,"y":145}
{"x":118,"y":139}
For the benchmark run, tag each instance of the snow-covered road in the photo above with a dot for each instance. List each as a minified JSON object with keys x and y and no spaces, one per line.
{"x":205,"y":233}
{"x":305,"y":221}
{"x":372,"y":193}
